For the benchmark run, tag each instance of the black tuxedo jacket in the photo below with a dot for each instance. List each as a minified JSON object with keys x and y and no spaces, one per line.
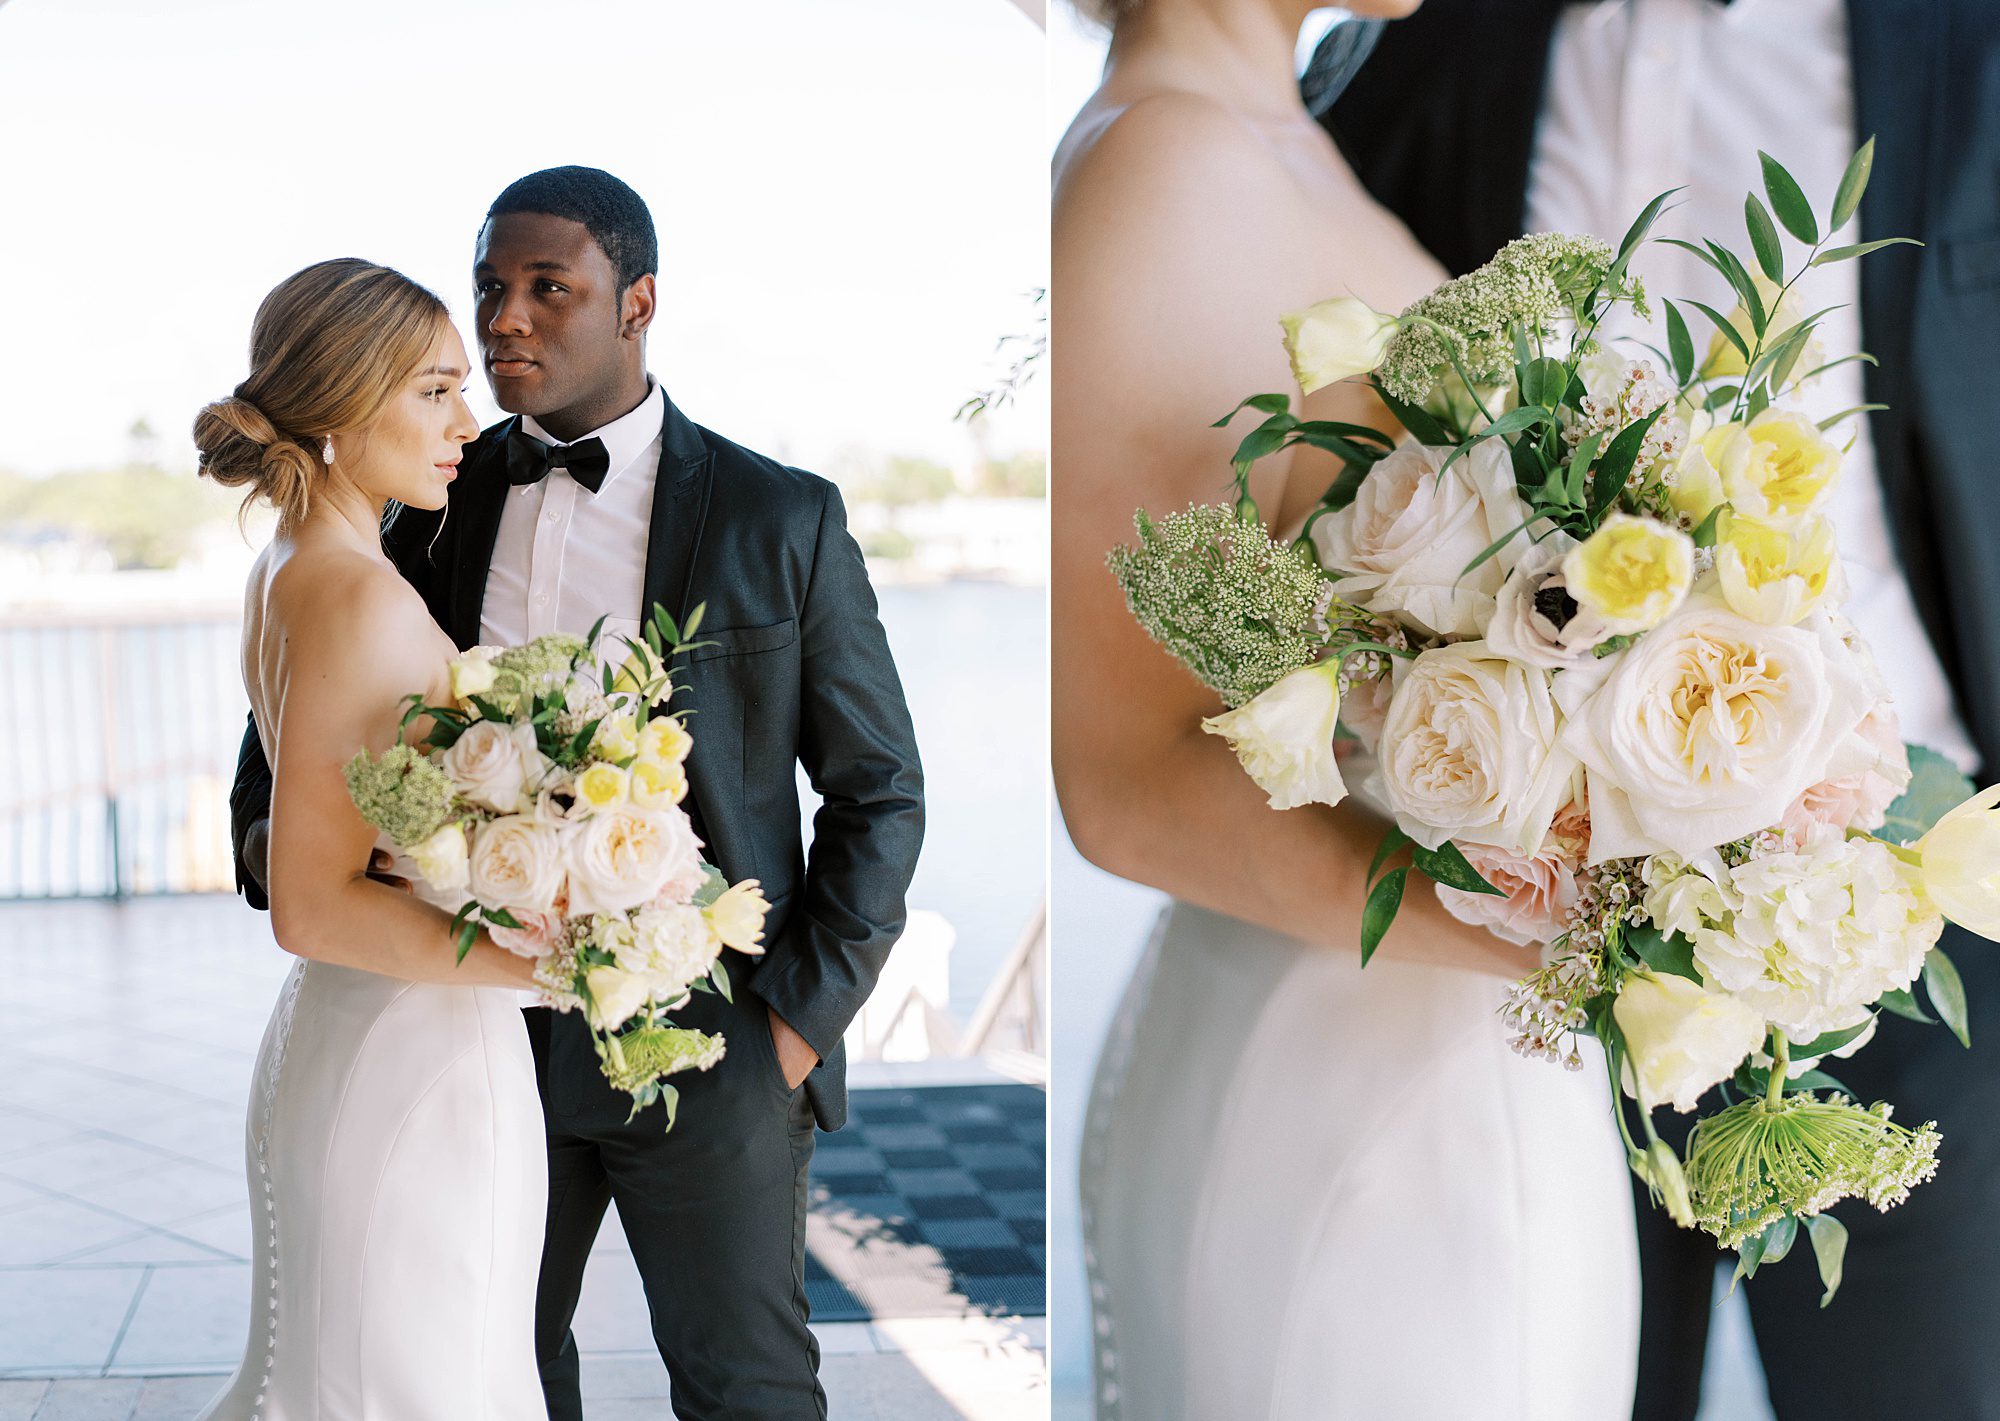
{"x":1440,"y":125}
{"x":797,"y":671}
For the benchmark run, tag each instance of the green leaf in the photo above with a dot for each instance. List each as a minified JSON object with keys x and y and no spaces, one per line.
{"x":693,"y":621}
{"x":1746,"y":289}
{"x":1828,"y":1040}
{"x":1383,"y":901}
{"x":1512,"y":422}
{"x":1680,"y":345}
{"x":1325,"y":426}
{"x":1779,"y":1236}
{"x":1643,"y":223}
{"x":500,"y":917}
{"x":1672,"y":955}
{"x":1720,"y":396}
{"x":1788,"y":201}
{"x":1936,"y":788}
{"x":1702,"y":252}
{"x":1265,"y":404}
{"x":1947,"y":994}
{"x":1543,"y":382}
{"x":1391,"y":841}
{"x":1861,"y":249}
{"x":1829,"y":1241}
{"x":672,"y":1096}
{"x":1904,"y":1005}
{"x":1339,"y":494}
{"x":1764,"y":242}
{"x":1831,"y":420}
{"x":1333,"y":443}
{"x":1853,"y":182}
{"x":1579,"y":468}
{"x":718,"y":976}
{"x":1492,"y":549}
{"x":1729,"y":332}
{"x":1447,"y":865}
{"x":1616,"y":465}
{"x":1704,"y":535}
{"x":1749,"y":1255}
{"x":1265,"y":439}
{"x":1861,"y":355}
{"x":467,"y":935}
{"x":1421,"y":424}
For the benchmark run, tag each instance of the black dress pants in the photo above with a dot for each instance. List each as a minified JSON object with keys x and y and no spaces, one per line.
{"x":1915,"y":1328}
{"x":714,"y":1211}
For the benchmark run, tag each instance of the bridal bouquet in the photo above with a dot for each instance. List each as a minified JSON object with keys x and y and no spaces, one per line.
{"x":1579,"y":635}
{"x":547,"y":800}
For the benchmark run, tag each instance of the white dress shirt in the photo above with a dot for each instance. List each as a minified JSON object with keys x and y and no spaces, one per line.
{"x":565,"y":556}
{"x":1646,"y":95}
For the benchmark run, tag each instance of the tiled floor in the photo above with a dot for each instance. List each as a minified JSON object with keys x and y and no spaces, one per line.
{"x":125,"y":1055}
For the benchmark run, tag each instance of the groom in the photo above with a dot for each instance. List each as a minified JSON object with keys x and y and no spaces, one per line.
{"x":1476,"y":119}
{"x":599,"y":497}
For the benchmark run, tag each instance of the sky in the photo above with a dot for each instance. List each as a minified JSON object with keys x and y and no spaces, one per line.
{"x":851,"y":198}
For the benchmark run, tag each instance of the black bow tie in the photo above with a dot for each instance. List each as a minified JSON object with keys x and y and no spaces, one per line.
{"x":529,"y":460}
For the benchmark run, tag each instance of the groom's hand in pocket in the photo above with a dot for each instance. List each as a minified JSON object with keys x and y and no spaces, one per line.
{"x":795,"y":1058}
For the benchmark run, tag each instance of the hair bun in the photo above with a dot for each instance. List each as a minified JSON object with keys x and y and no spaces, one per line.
{"x":240,"y":447}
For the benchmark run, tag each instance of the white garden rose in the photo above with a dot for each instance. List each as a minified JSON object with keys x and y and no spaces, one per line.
{"x":1961,"y":863}
{"x":1284,"y":737}
{"x":615,"y":994}
{"x":1471,"y":751}
{"x":441,"y":858}
{"x":1681,"y":1038}
{"x":1401,"y":548}
{"x":515,"y":863}
{"x":1819,"y":933}
{"x":1709,"y":726}
{"x":492,"y":764}
{"x":1535,"y":620}
{"x":620,"y":857}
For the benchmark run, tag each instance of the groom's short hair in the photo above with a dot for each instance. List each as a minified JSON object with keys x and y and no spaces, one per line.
{"x":616,"y":216}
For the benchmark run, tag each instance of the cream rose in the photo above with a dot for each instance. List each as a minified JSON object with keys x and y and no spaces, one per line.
{"x":1681,"y":1038}
{"x":1471,"y":751}
{"x":1708,"y":726}
{"x":516,"y":863}
{"x":1284,"y":737}
{"x":620,"y":857}
{"x":491,"y":763}
{"x":1401,"y":548}
{"x":441,"y":858}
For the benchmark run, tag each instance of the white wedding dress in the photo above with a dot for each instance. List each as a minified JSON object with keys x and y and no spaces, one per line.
{"x":1314,"y":1192}
{"x":398,"y":1188}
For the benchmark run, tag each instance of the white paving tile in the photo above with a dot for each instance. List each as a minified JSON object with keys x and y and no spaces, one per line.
{"x":63,"y":1317}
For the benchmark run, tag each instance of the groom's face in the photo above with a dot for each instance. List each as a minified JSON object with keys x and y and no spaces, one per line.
{"x":549,"y":314}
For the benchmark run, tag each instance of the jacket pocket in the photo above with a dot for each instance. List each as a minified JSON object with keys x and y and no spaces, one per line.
{"x":743,"y":641}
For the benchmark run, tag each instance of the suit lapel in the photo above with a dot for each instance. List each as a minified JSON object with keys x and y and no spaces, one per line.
{"x":680,"y":508}
{"x":478,"y":508}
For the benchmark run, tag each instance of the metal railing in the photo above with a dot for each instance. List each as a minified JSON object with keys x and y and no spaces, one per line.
{"x":118,"y":736}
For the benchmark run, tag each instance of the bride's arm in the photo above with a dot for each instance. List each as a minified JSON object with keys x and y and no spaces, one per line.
{"x":1168,"y":302}
{"x":353,"y":651}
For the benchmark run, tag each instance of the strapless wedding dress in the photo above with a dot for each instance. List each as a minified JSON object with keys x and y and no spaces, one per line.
{"x":1314,"y":1192}
{"x":398,"y":1187}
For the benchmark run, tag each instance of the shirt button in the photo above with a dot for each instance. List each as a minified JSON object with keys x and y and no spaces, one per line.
{"x":541,"y":599}
{"x":555,"y":516}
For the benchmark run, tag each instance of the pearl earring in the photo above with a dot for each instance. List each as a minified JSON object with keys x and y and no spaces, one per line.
{"x":326,"y":450}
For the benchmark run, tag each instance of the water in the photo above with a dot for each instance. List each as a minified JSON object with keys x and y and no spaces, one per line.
{"x":155,"y":705}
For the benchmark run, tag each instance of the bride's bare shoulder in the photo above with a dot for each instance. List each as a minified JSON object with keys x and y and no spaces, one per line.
{"x":337,"y":607}
{"x":1163,"y":146}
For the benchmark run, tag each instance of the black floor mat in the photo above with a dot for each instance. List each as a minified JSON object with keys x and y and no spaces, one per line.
{"x":930,"y":1203}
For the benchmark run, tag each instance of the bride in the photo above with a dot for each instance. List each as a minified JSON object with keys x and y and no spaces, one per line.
{"x":1310,"y":1191}
{"x":398,"y":1176}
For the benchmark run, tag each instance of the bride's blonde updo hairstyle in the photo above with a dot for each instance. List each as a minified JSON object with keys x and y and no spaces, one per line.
{"x":330,"y":347}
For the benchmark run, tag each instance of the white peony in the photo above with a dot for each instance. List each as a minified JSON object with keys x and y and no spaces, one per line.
{"x":516,"y":863}
{"x":1709,"y":726}
{"x":1284,"y":737}
{"x":621,"y":857}
{"x":493,"y":764}
{"x":1817,"y":934}
{"x":1402,"y":547}
{"x":1681,"y":1038}
{"x":1471,"y":751}
{"x":675,"y":945}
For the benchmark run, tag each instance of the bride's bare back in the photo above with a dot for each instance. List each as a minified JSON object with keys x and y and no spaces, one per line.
{"x":1196,"y":202}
